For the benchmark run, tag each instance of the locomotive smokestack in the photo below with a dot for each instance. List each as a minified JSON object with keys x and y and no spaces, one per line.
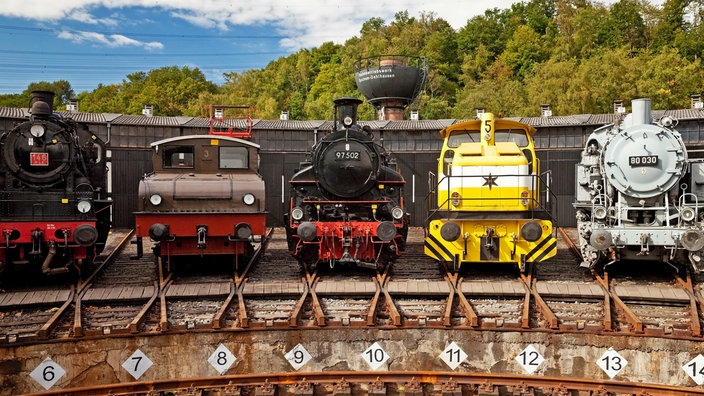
{"x":42,"y":103}
{"x":641,"y":112}
{"x":346,"y":112}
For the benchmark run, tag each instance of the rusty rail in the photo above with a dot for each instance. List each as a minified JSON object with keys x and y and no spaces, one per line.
{"x":409,"y":382}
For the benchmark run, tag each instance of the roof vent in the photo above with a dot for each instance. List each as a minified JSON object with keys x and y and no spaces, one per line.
{"x":284,"y":115}
{"x":72,"y":105}
{"x":545,"y":110}
{"x":148,"y":110}
{"x":697,"y":101}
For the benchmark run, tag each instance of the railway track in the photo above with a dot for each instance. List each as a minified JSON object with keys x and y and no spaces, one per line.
{"x":126,"y":296}
{"x":380,"y":383}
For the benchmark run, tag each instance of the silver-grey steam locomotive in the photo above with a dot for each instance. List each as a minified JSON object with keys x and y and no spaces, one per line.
{"x":54,"y":207}
{"x":638,"y":195}
{"x":346,"y":202}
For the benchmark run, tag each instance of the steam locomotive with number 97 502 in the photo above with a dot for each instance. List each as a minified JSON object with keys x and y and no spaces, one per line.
{"x":346,"y":201}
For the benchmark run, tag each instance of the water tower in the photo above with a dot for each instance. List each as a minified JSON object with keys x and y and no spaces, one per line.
{"x":390,"y":82}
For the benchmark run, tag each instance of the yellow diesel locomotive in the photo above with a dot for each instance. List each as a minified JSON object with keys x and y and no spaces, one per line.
{"x":489,"y":203}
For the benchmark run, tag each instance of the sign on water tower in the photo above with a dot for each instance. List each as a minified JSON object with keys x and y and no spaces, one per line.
{"x":391,"y":82}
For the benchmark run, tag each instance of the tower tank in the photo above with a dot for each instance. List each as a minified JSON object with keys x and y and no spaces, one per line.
{"x":390,"y":82}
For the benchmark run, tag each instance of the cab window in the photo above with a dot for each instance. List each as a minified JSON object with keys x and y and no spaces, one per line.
{"x":517,"y":136}
{"x":178,"y":157}
{"x":234,"y":158}
{"x":459,"y":137}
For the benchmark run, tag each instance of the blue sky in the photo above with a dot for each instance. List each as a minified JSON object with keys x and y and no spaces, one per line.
{"x":88,"y":42}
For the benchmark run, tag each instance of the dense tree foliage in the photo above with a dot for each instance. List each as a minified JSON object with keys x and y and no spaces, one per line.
{"x":576,"y":55}
{"x":61,"y":89}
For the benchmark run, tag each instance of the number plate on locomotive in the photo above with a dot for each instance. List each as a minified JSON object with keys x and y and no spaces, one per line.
{"x":643,"y":160}
{"x":39,"y":159}
{"x":347,"y":155}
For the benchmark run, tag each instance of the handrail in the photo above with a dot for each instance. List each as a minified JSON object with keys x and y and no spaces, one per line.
{"x":540,"y":201}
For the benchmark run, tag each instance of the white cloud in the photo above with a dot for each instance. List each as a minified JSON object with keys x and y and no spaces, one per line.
{"x":86,"y":17}
{"x":112,"y":40}
{"x":305,"y":23}
{"x":204,"y":21}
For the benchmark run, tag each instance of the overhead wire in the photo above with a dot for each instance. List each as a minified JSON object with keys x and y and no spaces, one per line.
{"x":82,"y":69}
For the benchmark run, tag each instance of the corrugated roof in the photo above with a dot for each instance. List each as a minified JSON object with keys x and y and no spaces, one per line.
{"x":95,"y":118}
{"x":376,"y":124}
{"x":306,"y":125}
{"x":417,"y":125}
{"x":144,"y":120}
{"x":13,"y":112}
{"x":289,"y":125}
{"x":197,"y":122}
{"x":602,"y":119}
{"x":551,"y":121}
{"x":686,"y":114}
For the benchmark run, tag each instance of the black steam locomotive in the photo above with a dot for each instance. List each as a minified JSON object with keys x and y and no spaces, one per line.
{"x":346,"y":201}
{"x":54,"y":209}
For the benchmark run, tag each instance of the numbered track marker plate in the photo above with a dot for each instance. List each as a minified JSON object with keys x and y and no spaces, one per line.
{"x":375,"y":356}
{"x":47,"y":373}
{"x":612,"y":362}
{"x":530,"y":359}
{"x":137,"y":364}
{"x":298,"y":356}
{"x":695,"y":369}
{"x":222,"y":359}
{"x":453,"y":355}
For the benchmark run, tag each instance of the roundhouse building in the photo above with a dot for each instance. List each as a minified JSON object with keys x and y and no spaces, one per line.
{"x":284,"y":143}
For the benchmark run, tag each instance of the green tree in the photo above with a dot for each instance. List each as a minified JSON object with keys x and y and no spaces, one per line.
{"x":103,"y":99}
{"x":488,"y":30}
{"x":670,"y":23}
{"x":579,"y":25}
{"x":523,"y":51}
{"x":498,"y":92}
{"x":169,"y":89}
{"x":61,"y":89}
{"x":625,"y":26}
{"x":550,"y":83}
{"x":332,"y":82}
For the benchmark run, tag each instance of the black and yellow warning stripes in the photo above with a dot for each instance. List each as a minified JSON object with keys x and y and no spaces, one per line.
{"x":439,"y":249}
{"x":546,"y":248}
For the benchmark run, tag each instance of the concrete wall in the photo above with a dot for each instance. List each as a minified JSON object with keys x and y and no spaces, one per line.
{"x":90,"y":362}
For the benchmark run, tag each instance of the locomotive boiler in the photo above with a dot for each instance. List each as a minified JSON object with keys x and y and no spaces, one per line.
{"x":638,"y":194}
{"x":54,"y":205}
{"x":346,"y":201}
{"x":490,"y":203}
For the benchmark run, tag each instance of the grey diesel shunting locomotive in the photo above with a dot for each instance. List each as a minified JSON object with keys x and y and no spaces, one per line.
{"x":54,"y":209}
{"x":638,"y":194}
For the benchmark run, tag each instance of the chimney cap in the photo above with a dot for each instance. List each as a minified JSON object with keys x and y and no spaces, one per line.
{"x":545,"y":110}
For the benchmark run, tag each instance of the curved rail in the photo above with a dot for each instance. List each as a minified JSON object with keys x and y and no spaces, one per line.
{"x":411,"y":382}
